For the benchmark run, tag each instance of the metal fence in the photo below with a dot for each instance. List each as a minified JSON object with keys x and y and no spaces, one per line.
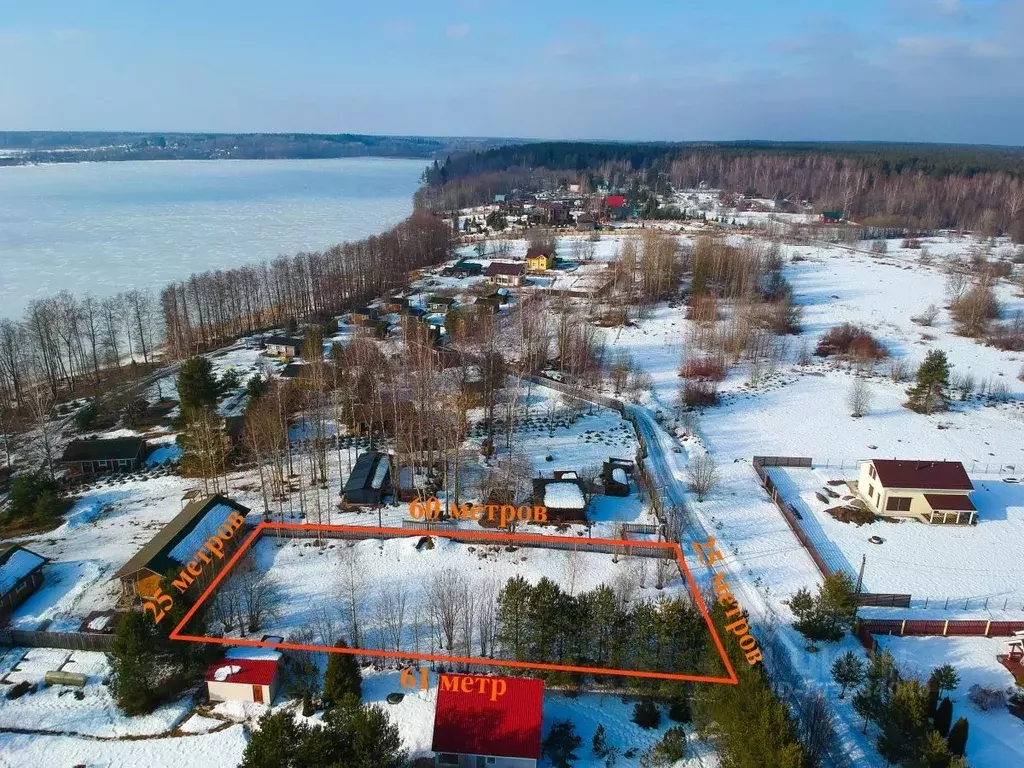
{"x":866,"y":629}
{"x":72,"y":641}
{"x":759,"y":463}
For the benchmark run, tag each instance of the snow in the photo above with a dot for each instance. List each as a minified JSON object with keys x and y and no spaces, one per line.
{"x":380,"y":472}
{"x":18,"y":565}
{"x":221,"y":748}
{"x":563,"y":496}
{"x":56,"y":708}
{"x":995,"y":736}
{"x":164,"y":454}
{"x":200,"y":724}
{"x":961,"y":563}
{"x":223,"y":673}
{"x":99,"y":623}
{"x":619,"y":476}
{"x":253,"y":654}
{"x":214,"y":518}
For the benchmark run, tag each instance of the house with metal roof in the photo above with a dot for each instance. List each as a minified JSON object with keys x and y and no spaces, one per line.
{"x":98,"y":456}
{"x":21,"y":574}
{"x":370,"y":480}
{"x":176,"y":544}
{"x":482,"y":720}
{"x":928,"y":491}
{"x":245,"y":674}
{"x":505,"y":273}
{"x":284,"y":346}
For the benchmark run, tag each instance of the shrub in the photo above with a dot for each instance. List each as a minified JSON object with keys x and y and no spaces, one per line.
{"x":986,"y":698}
{"x":35,"y":495}
{"x":911,"y":242}
{"x":1008,"y":337}
{"x":704,"y":368}
{"x":561,"y":744}
{"x":852,"y":341}
{"x":880,"y":246}
{"x":973,"y":311}
{"x":700,"y":393}
{"x":85,"y":416}
{"x":646,"y":714}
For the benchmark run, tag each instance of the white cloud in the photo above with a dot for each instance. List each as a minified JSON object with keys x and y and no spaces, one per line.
{"x":457,"y":31}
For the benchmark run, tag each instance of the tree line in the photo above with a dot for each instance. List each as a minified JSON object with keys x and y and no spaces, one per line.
{"x":908,"y":185}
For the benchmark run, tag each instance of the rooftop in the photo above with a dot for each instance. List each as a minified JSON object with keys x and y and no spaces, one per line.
{"x":504,"y":268}
{"x":16,"y":563}
{"x":103,"y":449}
{"x":472,"y":724}
{"x":926,"y":475}
{"x":242,"y":671}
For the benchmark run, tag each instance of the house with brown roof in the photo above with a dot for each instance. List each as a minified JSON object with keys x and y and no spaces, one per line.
{"x":504,"y":273}
{"x":928,"y":491}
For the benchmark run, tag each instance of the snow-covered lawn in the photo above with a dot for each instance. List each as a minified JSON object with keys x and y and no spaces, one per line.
{"x":927,"y":561}
{"x":58,"y":708}
{"x":996,"y":736}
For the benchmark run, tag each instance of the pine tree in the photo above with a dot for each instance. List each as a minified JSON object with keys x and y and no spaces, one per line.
{"x":946,"y":678}
{"x":872,"y":700}
{"x":944,"y":717}
{"x":679,"y":710}
{"x":513,"y":617}
{"x":599,"y":744}
{"x":827,"y":615}
{"x":561,"y":744}
{"x":646,"y":714}
{"x":934,"y":752}
{"x":274,"y":742}
{"x":904,"y":723}
{"x":848,"y":670}
{"x":132,"y":663}
{"x":197,"y":386}
{"x":342,"y":677}
{"x":929,"y":393}
{"x":958,"y":737}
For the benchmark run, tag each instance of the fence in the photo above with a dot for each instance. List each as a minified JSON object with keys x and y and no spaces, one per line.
{"x":866,"y":629}
{"x":72,"y":641}
{"x":863,"y":598}
{"x":644,"y":528}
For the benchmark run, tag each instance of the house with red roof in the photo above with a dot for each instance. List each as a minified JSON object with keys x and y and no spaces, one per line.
{"x":487,"y":721}
{"x":928,"y":491}
{"x":245,"y":674}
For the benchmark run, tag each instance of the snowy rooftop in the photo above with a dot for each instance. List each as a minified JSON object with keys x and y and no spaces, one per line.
{"x":186,"y":549}
{"x":19,"y":564}
{"x":563,"y":496}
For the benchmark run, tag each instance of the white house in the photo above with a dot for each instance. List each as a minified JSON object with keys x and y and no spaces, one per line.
{"x":245,"y":674}
{"x":929,"y":491}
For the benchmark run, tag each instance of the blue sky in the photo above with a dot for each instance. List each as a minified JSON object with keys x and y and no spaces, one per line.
{"x":909,"y":70}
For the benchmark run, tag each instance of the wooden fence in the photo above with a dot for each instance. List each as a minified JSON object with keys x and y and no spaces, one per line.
{"x":759,"y":463}
{"x":72,"y":641}
{"x":866,"y":629}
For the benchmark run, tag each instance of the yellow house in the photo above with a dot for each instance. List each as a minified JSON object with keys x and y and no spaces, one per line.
{"x":538,"y":260}
{"x":929,"y":491}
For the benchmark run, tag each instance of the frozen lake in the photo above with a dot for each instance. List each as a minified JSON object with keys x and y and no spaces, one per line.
{"x":106,"y":227}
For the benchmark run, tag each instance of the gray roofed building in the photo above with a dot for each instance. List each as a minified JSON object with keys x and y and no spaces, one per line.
{"x":87,"y":457}
{"x":370,"y":480}
{"x":177,"y":542}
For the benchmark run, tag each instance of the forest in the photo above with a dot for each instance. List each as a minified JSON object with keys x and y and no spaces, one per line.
{"x":921,"y":186}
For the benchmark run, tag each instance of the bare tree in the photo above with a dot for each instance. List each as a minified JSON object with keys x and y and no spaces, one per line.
{"x":260,"y":594}
{"x":859,"y":398}
{"x":391,"y":613}
{"x":702,"y":475}
{"x":816,"y":726}
{"x":487,"y":617}
{"x":350,"y":584}
{"x":323,"y":622}
{"x":445,"y":595}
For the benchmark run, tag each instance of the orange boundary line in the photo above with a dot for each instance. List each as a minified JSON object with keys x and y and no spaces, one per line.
{"x":370,"y":531}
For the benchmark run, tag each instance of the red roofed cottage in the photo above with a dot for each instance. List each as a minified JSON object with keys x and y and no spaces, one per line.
{"x":244,"y":674}
{"x":929,"y":491}
{"x":488,"y":721}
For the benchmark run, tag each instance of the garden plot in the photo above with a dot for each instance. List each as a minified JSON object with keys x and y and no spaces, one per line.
{"x":88,"y":711}
{"x":962,"y":563}
{"x":312,"y":579}
{"x":995,"y":735}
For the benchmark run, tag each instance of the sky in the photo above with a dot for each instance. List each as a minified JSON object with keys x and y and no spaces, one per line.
{"x":897,"y":70}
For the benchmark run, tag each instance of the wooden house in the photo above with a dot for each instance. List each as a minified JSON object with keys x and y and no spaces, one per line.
{"x":99,"y":456}
{"x":21,"y":574}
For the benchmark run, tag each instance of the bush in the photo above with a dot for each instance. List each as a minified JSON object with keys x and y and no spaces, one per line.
{"x":85,"y":416}
{"x":911,"y":242}
{"x":1008,"y":337}
{"x":700,"y":393}
{"x":852,"y":341}
{"x":987,"y":698}
{"x":35,"y":496}
{"x":704,"y":368}
{"x":646,"y":714}
{"x":561,"y":744}
{"x":973,"y":311}
{"x":672,"y":746}
{"x":679,"y":710}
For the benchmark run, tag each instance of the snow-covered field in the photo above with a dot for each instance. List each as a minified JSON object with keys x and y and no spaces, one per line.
{"x":966,"y":564}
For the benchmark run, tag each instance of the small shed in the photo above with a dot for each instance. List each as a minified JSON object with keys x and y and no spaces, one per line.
{"x":563,"y":497}
{"x":370,"y":480}
{"x":440,"y":303}
{"x":98,"y":456}
{"x":365,"y":316}
{"x":284,"y":346}
{"x":21,"y":574}
{"x":616,"y":476}
{"x":831,"y":217}
{"x":245,"y":674}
